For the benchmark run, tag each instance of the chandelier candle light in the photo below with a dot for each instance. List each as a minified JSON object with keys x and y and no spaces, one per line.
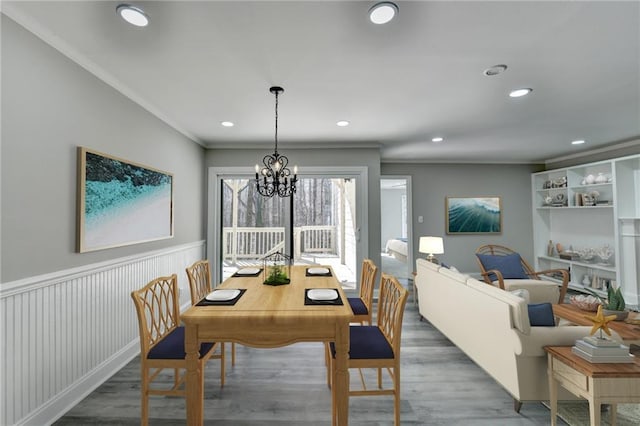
{"x":275,"y":177}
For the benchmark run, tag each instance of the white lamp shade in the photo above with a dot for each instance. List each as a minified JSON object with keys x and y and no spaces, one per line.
{"x":431,"y":245}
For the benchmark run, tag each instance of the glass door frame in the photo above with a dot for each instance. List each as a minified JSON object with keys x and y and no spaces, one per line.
{"x":214,"y":198}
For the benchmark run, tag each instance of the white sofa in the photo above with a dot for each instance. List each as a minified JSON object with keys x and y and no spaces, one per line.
{"x":491,"y":326}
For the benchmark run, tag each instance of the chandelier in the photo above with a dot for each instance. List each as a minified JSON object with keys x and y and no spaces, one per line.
{"x":275,"y":177}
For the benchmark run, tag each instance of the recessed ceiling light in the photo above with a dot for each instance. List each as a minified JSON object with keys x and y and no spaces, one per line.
{"x":578,"y":142}
{"x":342,"y":123}
{"x":227,"y":123}
{"x":495,"y":70}
{"x":437,"y":139}
{"x":520,"y":92}
{"x":133,"y":15}
{"x":383,"y":12}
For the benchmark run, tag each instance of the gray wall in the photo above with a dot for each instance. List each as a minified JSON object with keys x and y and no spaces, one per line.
{"x":50,"y":105}
{"x":433,"y":182}
{"x":369,"y":157}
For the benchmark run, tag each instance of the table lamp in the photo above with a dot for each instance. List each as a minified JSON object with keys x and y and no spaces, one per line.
{"x":431,"y":246}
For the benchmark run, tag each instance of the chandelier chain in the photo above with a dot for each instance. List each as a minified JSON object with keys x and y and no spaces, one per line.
{"x":276,"y":150}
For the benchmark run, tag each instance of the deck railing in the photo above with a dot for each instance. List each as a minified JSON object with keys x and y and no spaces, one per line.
{"x":252,"y":243}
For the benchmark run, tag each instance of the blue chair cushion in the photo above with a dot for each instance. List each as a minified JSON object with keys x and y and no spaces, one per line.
{"x":541,"y":315}
{"x":508,"y":265}
{"x":357,"y":306}
{"x":366,"y":342}
{"x":172,"y":347}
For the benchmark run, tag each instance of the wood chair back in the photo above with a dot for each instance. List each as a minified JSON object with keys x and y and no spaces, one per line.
{"x":367,"y":285}
{"x":391,"y":304}
{"x":199,"y":275}
{"x":158,"y":311}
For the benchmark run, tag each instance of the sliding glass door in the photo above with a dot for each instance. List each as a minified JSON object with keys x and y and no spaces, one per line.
{"x":252,"y":226}
{"x":318,"y":225}
{"x":325,"y":225}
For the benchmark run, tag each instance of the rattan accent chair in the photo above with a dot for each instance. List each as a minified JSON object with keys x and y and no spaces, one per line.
{"x":162,"y":340}
{"x":378,"y":346}
{"x":199,"y":275}
{"x":515,"y":278}
{"x":362,"y":306}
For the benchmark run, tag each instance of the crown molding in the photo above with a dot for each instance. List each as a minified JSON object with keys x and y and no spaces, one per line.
{"x":622,"y":145}
{"x":455,"y":162}
{"x":291,"y":145}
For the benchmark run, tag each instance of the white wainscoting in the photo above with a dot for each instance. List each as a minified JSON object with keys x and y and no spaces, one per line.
{"x":65,"y":333}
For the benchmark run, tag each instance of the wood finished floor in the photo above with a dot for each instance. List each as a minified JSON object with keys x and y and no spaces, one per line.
{"x":287,"y":387}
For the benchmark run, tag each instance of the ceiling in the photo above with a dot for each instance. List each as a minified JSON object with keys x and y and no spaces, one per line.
{"x":399,"y":84}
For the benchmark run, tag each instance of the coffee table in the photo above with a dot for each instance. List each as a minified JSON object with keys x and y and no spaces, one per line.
{"x":598,"y":383}
{"x":629,"y":333}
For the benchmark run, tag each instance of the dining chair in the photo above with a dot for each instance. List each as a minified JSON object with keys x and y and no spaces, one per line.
{"x":199,"y":275}
{"x":501,"y":266}
{"x":362,"y":306}
{"x":162,"y":340}
{"x":378,"y":346}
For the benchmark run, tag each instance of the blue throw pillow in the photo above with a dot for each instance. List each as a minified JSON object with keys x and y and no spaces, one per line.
{"x":509,"y":266}
{"x":541,"y":315}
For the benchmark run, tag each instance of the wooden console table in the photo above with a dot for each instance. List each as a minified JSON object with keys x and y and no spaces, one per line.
{"x":598,"y":383}
{"x":630,"y":333}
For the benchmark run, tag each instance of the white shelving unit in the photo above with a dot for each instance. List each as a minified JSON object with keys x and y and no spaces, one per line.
{"x":590,"y":206}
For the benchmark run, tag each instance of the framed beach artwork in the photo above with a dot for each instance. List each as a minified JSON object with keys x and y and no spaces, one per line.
{"x":473,"y":215}
{"x":121,"y":202}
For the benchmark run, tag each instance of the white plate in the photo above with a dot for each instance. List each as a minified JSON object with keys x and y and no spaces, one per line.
{"x":318,"y":271}
{"x":322,"y":294}
{"x":248,"y":271}
{"x":223,"y":294}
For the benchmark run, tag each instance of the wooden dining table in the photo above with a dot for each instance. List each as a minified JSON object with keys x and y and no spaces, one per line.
{"x":266,"y":317}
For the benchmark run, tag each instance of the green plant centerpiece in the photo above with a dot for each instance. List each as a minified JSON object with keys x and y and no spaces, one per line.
{"x":276,"y":269}
{"x":614,"y":303}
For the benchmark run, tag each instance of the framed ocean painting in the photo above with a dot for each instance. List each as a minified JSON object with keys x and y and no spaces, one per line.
{"x":473,"y":215}
{"x":120,"y":202}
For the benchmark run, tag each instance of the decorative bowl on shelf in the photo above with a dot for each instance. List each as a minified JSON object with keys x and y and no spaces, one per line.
{"x":586,"y":303}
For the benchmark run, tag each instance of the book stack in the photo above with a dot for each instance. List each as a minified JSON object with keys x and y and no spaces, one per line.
{"x":600,"y":350}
